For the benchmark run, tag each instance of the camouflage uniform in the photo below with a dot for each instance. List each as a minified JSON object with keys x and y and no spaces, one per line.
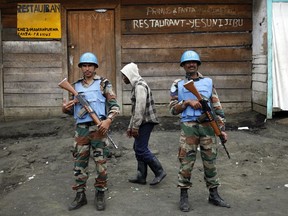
{"x":87,"y":136}
{"x":194,"y":135}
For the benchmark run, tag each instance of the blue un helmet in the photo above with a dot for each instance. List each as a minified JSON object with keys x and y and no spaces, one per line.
{"x":88,"y":57}
{"x":190,"y":55}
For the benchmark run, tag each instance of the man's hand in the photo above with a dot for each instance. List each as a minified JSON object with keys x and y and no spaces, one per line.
{"x":104,"y":125}
{"x":225,"y":136}
{"x":66,"y":107}
{"x":132,"y":132}
{"x":195,"y":104}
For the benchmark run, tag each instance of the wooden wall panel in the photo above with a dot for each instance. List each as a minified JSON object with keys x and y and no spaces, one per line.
{"x":208,"y":69}
{"x":173,"y":55}
{"x":32,"y":100}
{"x":220,"y":82}
{"x":227,"y":11}
{"x":185,"y":40}
{"x":226,"y":96}
{"x":157,"y":2}
{"x":155,"y":35}
{"x":32,"y":70}
{"x":152,"y":26}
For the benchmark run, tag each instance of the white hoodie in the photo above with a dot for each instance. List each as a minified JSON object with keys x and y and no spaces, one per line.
{"x":143,"y":109}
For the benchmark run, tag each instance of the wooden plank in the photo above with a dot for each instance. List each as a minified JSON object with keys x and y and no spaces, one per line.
{"x":32,"y":60}
{"x":187,"y":11}
{"x":133,"y":2}
{"x":10,"y":34}
{"x":226,"y":95}
{"x":30,"y":88}
{"x":25,"y":64}
{"x":207,"y":69}
{"x":259,"y":77}
{"x":232,"y":108}
{"x":9,"y":21}
{"x":159,"y":83}
{"x":260,"y":59}
{"x":259,"y":86}
{"x":186,"y":40}
{"x":259,"y":97}
{"x":32,"y":74}
{"x":260,"y":109}
{"x":173,"y":55}
{"x":260,"y":69}
{"x":234,"y":95}
{"x":163,"y":110}
{"x":32,"y":47}
{"x":16,"y":113}
{"x":97,"y":25}
{"x":32,"y":100}
{"x":153,"y":26}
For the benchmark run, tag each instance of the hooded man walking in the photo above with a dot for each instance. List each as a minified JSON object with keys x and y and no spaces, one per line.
{"x":141,"y":124}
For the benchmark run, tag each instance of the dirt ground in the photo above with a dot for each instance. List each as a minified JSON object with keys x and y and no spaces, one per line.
{"x":36,"y":170}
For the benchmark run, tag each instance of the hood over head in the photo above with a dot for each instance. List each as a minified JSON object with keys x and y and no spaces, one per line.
{"x":131,"y":71}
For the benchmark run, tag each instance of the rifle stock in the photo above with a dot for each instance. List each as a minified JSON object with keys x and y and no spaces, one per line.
{"x":67,"y":86}
{"x":191,"y":87}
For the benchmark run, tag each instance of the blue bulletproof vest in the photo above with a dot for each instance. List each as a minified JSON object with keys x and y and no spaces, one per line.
{"x":204,"y":87}
{"x":94,"y":97}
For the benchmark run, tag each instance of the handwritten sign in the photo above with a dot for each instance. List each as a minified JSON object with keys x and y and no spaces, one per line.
{"x":39,"y":20}
{"x":191,"y":23}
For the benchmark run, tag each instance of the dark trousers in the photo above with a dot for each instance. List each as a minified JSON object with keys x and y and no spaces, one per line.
{"x":142,"y":152}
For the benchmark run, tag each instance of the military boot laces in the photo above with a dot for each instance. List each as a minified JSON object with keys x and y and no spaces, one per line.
{"x":100,"y":200}
{"x":79,"y":201}
{"x":216,"y":200}
{"x":184,"y":204}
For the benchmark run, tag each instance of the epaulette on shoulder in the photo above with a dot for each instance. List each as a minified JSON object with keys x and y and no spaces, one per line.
{"x":79,"y":80}
{"x":176,"y":81}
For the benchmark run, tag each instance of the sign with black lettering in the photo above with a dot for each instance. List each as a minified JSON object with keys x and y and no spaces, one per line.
{"x":39,"y":20}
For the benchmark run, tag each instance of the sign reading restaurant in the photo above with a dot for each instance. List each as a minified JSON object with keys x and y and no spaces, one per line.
{"x":39,"y":20}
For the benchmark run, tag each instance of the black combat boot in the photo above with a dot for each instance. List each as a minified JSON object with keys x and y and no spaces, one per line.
{"x":79,"y":201}
{"x":184,"y":204}
{"x":100,"y":200}
{"x":158,"y":171}
{"x":141,"y":174}
{"x":215,"y":199}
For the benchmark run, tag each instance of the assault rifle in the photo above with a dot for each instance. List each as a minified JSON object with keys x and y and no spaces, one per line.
{"x":81,"y":99}
{"x":208,"y":113}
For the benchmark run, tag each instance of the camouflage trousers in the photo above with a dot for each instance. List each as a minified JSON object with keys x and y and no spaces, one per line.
{"x":194,"y":135}
{"x":87,"y":138}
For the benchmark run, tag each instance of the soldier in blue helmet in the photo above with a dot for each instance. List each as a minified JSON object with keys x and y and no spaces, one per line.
{"x":195,"y":134}
{"x":99,"y":93}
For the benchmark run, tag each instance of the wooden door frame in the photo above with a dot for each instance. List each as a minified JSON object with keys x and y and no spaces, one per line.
{"x":114,"y":5}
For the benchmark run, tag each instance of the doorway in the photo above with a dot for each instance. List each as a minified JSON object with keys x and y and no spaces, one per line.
{"x":92,"y":31}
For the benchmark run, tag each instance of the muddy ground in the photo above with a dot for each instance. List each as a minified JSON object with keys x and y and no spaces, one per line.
{"x":36,"y":170}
